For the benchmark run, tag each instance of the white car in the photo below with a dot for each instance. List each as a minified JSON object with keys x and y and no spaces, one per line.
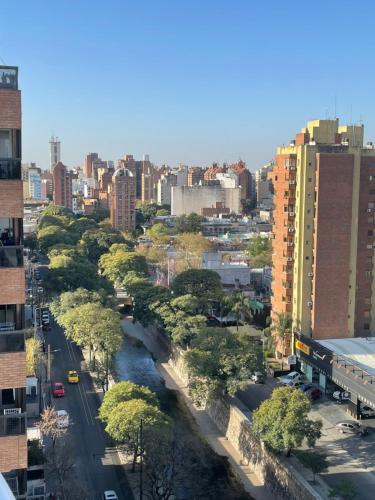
{"x":110,"y":495}
{"x":367,"y":412}
{"x":290,"y":379}
{"x":63,"y":419}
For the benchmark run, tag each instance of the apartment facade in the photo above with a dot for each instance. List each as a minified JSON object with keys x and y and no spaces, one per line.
{"x":13,"y":442}
{"x":122,"y":200}
{"x":323,"y":246}
{"x":62,"y":185}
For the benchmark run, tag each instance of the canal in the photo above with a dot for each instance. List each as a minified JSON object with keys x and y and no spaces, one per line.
{"x":205,"y":475}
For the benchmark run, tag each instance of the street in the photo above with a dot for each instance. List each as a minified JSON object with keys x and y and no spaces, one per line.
{"x":97,"y":465}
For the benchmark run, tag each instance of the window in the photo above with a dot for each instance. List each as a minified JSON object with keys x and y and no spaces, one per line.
{"x":370,"y":232}
{"x":310,"y":179}
{"x":370,"y":220}
{"x":368,"y":301}
{"x":366,"y":314}
{"x":368,"y":274}
{"x":307,"y":258}
{"x":5,"y":144}
{"x":366,"y":326}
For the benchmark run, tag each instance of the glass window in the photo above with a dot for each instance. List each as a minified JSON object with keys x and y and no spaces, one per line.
{"x":5,"y":144}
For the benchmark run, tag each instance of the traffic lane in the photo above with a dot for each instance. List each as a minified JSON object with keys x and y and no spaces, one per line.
{"x":255,"y":394}
{"x":98,"y":463}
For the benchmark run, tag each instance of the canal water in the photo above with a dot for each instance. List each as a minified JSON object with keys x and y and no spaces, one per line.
{"x":208,"y":476}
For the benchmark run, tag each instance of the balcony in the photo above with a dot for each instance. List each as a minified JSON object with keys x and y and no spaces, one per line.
{"x":11,"y":341}
{"x":11,"y":256}
{"x":10,"y":169}
{"x":8,"y":77}
{"x":13,"y":422}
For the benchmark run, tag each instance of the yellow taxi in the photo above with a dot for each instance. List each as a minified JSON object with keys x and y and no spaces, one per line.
{"x":73,"y":377}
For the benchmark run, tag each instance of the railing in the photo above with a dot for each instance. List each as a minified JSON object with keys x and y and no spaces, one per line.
{"x":11,"y":256}
{"x":12,"y":425}
{"x":8,"y":77}
{"x":8,"y":326}
{"x":10,"y":169}
{"x":12,"y":341}
{"x":351,"y":366}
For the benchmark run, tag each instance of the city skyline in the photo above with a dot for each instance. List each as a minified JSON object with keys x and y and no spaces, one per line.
{"x":187,"y":84}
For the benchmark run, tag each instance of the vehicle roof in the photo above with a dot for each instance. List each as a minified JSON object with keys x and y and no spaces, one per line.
{"x":62,"y":412}
{"x":347,"y":422}
{"x":72,"y":371}
{"x":58,"y":383}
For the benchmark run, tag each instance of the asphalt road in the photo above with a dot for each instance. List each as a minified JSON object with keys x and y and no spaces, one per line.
{"x":97,"y":464}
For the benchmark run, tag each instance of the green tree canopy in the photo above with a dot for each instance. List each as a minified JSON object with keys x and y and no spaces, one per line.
{"x":125,"y":391}
{"x":162,"y":212}
{"x":282,"y":421}
{"x":158,"y":233}
{"x":30,"y":241}
{"x":95,"y":242}
{"x":260,"y":251}
{"x":63,"y":249}
{"x":54,"y":220}
{"x":239,"y":305}
{"x":316,"y":462}
{"x":180,"y":318}
{"x":99,"y":214}
{"x":53,"y":235}
{"x":68,"y":273}
{"x":190,"y":249}
{"x":145,"y":294}
{"x":201,"y":283}
{"x":79,"y":226}
{"x":69,"y":300}
{"x":220,"y":360}
{"x":93,"y":326}
{"x":33,"y":356}
{"x":124,"y":422}
{"x":116,"y":265}
{"x":281,"y":327}
{"x":52,"y":209}
{"x":346,"y":490}
{"x":191,"y":223}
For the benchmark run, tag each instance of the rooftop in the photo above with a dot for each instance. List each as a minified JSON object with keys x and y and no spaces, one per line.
{"x":360,"y":351}
{"x":8,"y":77}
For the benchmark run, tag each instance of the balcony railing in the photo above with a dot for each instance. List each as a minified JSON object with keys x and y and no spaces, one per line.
{"x":8,"y":77}
{"x":13,"y":425}
{"x":12,"y":341}
{"x":11,"y":256}
{"x":10,"y":169}
{"x":8,"y":326}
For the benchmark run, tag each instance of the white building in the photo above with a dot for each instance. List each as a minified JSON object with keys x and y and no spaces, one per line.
{"x":164,"y":188}
{"x":232,"y":273}
{"x":264,"y":190}
{"x":35,"y":183}
{"x":189,"y":199}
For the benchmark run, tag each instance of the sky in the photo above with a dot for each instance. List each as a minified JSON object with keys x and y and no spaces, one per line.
{"x":186,"y":81}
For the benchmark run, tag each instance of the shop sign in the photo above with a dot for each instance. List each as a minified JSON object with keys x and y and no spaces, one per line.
{"x":302,"y":347}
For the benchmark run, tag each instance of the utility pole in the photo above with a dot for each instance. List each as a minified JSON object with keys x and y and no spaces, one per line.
{"x":141,"y":461}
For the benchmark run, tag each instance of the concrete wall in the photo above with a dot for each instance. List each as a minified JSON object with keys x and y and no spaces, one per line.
{"x":280,"y":477}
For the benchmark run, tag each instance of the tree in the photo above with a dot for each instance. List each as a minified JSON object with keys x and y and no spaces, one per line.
{"x":154,"y":254}
{"x":54,"y":220}
{"x":158,"y":233}
{"x":68,"y":273}
{"x":116,"y":265}
{"x":239,"y":305}
{"x":317,"y":462}
{"x":92,"y":326}
{"x":281,"y":327}
{"x":190,"y":249}
{"x":282,"y":421}
{"x":95,"y":242}
{"x":79,"y":226}
{"x":53,"y":235}
{"x":163,"y":212}
{"x":99,"y":214}
{"x":53,"y":209}
{"x":180,"y":318}
{"x":145,"y":295}
{"x":33,"y":356}
{"x":201,"y":283}
{"x":346,"y":490}
{"x":30,"y":241}
{"x":220,"y":360}
{"x":124,"y":422}
{"x":125,"y":391}
{"x":49,"y":425}
{"x":260,"y":251}
{"x":69,"y":300}
{"x":191,"y":223}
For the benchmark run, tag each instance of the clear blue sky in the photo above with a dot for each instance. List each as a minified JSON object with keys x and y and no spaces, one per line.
{"x":189,"y":81}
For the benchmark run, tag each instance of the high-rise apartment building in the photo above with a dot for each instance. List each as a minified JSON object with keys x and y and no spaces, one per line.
{"x":13,"y":442}
{"x":54,"y":152}
{"x":244,"y":179}
{"x":195,"y":176}
{"x":148,"y":180}
{"x":62,"y":185}
{"x":263,"y":185}
{"x":92,"y":164}
{"x":324,"y":226}
{"x":122,"y":200}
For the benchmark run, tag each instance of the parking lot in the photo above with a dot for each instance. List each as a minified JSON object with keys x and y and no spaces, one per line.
{"x":350,"y":457}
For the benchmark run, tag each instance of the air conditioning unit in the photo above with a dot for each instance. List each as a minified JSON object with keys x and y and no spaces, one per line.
{"x":291,"y":214}
{"x":369,"y":210}
{"x":292,"y":167}
{"x":310,"y":274}
{"x":309,"y":304}
{"x":290,"y":244}
{"x":291,"y":229}
{"x":292,"y":181}
{"x":289,"y":259}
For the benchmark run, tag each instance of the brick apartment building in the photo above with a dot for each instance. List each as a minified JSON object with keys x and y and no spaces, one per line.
{"x":13,"y":442}
{"x":122,"y":200}
{"x":195,"y":176}
{"x":62,"y":185}
{"x":324,"y":222}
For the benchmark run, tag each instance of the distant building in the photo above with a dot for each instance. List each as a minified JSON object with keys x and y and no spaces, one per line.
{"x":54,"y":152}
{"x":264,"y":189}
{"x":148,"y":180}
{"x":62,"y":186}
{"x":122,"y":200}
{"x":244,"y":179}
{"x":164,"y":188}
{"x":46,"y":185}
{"x":35,"y":182}
{"x":185,"y":199}
{"x":211,"y":172}
{"x":91,"y":165}
{"x":195,"y":176}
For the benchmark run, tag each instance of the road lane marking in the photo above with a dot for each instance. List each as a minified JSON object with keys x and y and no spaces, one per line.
{"x":83,"y":404}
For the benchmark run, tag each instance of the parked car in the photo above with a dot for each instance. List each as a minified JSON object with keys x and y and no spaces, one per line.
{"x":58,"y":390}
{"x":63,"y":419}
{"x":110,"y":495}
{"x":351,"y":427}
{"x":313,"y":393}
{"x":258,"y":377}
{"x":341,"y":396}
{"x":291,"y":377}
{"x":296,"y":383}
{"x":367,"y":412}
{"x":73,"y":377}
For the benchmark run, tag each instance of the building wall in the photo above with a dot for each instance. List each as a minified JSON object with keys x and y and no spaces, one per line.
{"x":62,"y":186}
{"x":123,"y":200}
{"x":186,"y":199}
{"x":11,"y":196}
{"x":12,"y":285}
{"x":10,"y":109}
{"x":334,"y":180}
{"x":13,"y":370}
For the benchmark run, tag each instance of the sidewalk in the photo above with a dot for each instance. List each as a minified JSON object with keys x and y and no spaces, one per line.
{"x":219,"y":443}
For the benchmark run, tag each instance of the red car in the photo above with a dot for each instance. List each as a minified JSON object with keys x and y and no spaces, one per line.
{"x":313,"y":393}
{"x":58,"y":390}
